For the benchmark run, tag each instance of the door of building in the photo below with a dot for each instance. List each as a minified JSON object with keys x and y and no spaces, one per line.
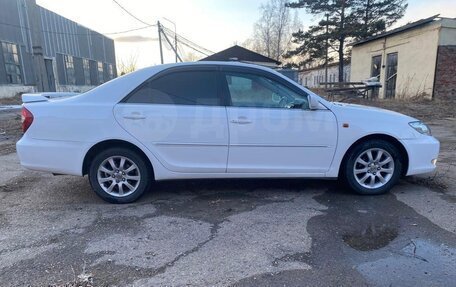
{"x":50,"y":75}
{"x":391,"y":75}
{"x":375,"y":72}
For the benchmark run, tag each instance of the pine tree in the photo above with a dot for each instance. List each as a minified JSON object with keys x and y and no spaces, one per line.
{"x":342,"y":21}
{"x":377,"y":15}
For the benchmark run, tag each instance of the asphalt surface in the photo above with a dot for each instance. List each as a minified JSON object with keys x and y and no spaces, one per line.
{"x":54,"y":230}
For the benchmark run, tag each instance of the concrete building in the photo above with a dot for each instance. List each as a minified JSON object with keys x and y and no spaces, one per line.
{"x":312,"y":77}
{"x":43,"y":51}
{"x":418,"y":59}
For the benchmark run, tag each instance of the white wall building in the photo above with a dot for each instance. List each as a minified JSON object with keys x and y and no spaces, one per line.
{"x":312,"y":77}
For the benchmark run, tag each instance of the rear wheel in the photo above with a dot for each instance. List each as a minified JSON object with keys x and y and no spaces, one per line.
{"x":119,"y":175}
{"x":373,"y":167}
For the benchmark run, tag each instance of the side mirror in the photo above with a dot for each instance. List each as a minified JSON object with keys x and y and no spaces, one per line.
{"x":313,"y":103}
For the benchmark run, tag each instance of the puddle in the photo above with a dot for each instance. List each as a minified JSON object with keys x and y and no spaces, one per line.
{"x":420,"y":261}
{"x":370,"y":238}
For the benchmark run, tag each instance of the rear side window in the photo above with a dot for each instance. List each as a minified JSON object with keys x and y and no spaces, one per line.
{"x":179,"y":88}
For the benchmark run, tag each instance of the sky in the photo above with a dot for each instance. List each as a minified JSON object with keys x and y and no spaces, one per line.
{"x":212,"y":24}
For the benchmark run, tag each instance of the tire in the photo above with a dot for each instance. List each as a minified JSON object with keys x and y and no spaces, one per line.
{"x":119,"y":175}
{"x":365,"y":173}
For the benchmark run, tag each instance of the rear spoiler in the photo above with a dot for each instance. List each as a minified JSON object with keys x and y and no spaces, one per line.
{"x":43,"y":97}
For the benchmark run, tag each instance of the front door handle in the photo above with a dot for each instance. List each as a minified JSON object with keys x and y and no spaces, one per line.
{"x":134,"y":116}
{"x":241,"y":121}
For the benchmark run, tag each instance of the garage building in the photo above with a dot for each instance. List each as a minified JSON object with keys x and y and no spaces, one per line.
{"x":418,"y":59}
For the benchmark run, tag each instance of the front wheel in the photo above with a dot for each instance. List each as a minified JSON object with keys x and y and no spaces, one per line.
{"x":119,"y":175}
{"x":373,"y":167}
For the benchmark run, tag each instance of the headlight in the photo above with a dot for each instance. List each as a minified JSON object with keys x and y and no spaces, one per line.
{"x":421,"y":128}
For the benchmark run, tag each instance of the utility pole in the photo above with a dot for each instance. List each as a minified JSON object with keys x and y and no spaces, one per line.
{"x":175,"y":43}
{"x":160,"y":41}
{"x":171,"y":45}
{"x":175,"y":37}
{"x":326,"y":53}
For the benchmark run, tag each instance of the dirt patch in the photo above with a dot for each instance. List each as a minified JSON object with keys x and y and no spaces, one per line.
{"x":16,"y":100}
{"x":10,"y":131}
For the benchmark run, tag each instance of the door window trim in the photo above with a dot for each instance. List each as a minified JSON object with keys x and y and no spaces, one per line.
{"x":256,"y":72}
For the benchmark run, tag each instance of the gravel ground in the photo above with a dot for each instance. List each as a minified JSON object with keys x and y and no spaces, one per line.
{"x":55,"y":232}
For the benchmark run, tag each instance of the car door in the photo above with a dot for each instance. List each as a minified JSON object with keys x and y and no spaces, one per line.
{"x":180,"y":117}
{"x":271,"y":127}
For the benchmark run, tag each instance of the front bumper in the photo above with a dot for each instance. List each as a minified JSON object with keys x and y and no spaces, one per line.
{"x":422,"y":153}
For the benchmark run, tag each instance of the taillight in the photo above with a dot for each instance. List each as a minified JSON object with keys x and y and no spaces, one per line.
{"x":27,"y":119}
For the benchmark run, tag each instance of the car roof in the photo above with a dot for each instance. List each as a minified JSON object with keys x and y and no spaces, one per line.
{"x":116,"y":89}
{"x":158,"y":68}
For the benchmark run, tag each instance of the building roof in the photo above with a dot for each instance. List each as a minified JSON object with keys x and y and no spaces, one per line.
{"x":241,"y":54}
{"x":401,"y":29}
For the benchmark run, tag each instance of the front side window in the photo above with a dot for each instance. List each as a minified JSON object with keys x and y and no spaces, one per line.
{"x":69,"y":70}
{"x":12,"y":66}
{"x":250,"y":90}
{"x":179,"y":88}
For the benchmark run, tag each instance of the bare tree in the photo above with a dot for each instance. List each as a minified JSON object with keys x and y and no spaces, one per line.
{"x":127,"y":65}
{"x":273,"y":31}
{"x":191,"y":57}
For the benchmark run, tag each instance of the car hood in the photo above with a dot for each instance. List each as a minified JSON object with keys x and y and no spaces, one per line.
{"x":368,"y":110}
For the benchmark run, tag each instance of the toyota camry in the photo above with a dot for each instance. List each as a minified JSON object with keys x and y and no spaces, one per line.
{"x":217,"y":120}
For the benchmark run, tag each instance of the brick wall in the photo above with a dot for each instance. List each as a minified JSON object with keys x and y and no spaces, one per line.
{"x":445,"y":76}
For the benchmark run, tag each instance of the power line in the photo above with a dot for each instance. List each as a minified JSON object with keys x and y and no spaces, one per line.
{"x":129,"y":13}
{"x":188,"y":43}
{"x":74,"y":34}
{"x":182,"y":39}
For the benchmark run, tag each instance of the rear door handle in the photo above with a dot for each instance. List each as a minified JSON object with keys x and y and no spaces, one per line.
{"x":241,"y":121}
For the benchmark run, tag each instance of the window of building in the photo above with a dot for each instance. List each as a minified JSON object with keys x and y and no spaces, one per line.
{"x":100,"y":73}
{"x":250,"y":90}
{"x":69,"y":70}
{"x":179,"y":88}
{"x":12,"y":65}
{"x":110,"y":71}
{"x":86,"y":68}
{"x":376,"y":66}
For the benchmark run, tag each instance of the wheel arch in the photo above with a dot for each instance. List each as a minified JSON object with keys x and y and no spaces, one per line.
{"x":109,"y":144}
{"x":384,"y":137}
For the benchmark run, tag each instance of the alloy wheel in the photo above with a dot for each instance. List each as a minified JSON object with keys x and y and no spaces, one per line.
{"x":373,"y":168}
{"x":118,"y":176}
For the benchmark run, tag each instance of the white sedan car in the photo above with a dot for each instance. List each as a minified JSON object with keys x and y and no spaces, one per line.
{"x":217,"y":120}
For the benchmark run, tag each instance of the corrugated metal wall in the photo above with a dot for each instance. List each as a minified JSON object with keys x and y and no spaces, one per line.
{"x":60,"y":36}
{"x":14,"y":28}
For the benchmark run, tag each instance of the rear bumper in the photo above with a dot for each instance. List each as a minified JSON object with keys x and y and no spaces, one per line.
{"x":61,"y":157}
{"x":422,"y":153}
